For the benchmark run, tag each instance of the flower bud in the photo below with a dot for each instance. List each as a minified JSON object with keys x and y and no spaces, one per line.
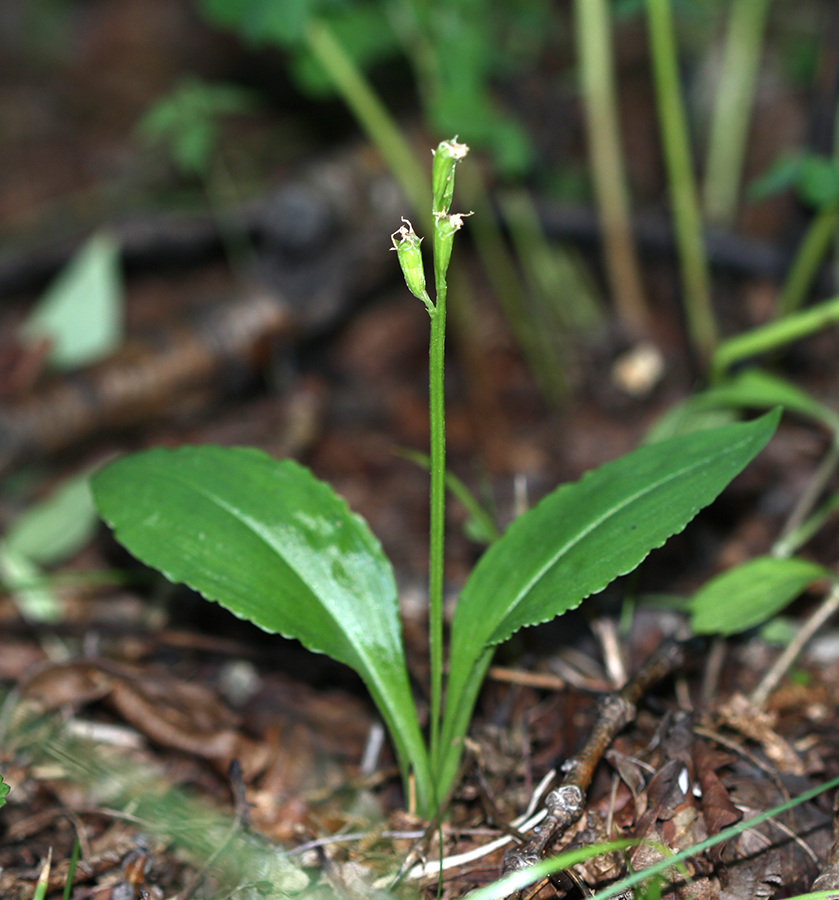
{"x":446,"y":157}
{"x":406,"y":243}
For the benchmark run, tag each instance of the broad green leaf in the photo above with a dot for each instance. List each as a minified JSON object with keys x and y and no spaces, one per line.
{"x":56,"y":528}
{"x":81,"y":313}
{"x":4,"y":789}
{"x":749,"y":594}
{"x":278,"y":547}
{"x":580,"y":538}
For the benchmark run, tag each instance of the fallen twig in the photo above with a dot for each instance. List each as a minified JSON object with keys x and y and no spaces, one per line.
{"x":566,"y":804}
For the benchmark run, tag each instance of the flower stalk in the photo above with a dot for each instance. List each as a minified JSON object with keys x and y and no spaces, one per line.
{"x":407,"y":245}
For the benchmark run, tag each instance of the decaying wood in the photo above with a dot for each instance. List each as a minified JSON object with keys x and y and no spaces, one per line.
{"x":159,"y":240}
{"x":141,"y":382}
{"x":346,"y":198}
{"x":566,"y":804}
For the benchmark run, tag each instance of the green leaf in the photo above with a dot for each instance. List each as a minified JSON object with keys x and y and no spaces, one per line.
{"x":56,"y":528}
{"x":81,"y":314}
{"x":818,"y":182}
{"x":580,"y":538}
{"x":278,"y":547}
{"x":816,"y":179}
{"x":782,"y":174}
{"x":686,"y":417}
{"x":25,"y":580}
{"x":758,"y":389}
{"x":263,"y":21}
{"x":186,"y":121}
{"x":749,"y":594}
{"x":4,"y":789}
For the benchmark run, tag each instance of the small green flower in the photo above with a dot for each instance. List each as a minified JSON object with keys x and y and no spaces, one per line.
{"x":446,"y":157}
{"x":406,"y":243}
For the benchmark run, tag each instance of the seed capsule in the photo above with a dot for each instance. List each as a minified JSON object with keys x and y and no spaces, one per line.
{"x":446,"y":157}
{"x":406,"y":243}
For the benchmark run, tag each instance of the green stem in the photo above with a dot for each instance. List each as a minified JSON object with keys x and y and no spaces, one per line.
{"x":796,"y":530}
{"x":457,"y":488}
{"x":732,"y":111}
{"x":372,"y":114}
{"x":594,"y":47}
{"x":810,"y":254}
{"x":436,"y":409}
{"x":460,"y":704}
{"x":774,"y":335}
{"x":671,"y":115}
{"x":797,"y":538}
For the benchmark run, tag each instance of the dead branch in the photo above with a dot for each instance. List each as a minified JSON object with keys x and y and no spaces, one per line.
{"x":566,"y":804}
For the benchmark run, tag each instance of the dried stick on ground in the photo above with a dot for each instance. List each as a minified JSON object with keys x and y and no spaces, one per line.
{"x":566,"y":804}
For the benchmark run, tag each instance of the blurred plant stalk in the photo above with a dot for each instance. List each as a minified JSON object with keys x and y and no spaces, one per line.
{"x":597,"y":77}
{"x":808,"y":258}
{"x":373,"y":116}
{"x":729,"y":129}
{"x":702,"y":327}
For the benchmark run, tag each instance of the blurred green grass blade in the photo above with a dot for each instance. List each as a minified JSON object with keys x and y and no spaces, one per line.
{"x":75,"y":855}
{"x":774,"y":335}
{"x":729,"y":129}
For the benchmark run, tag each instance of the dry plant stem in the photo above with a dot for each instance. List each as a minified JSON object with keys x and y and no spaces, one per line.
{"x":543,"y":680}
{"x":566,"y":804}
{"x":740,"y":750}
{"x":594,"y":46}
{"x":713,"y":669}
{"x":605,"y":629}
{"x":827,"y":608}
{"x":790,"y":538}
